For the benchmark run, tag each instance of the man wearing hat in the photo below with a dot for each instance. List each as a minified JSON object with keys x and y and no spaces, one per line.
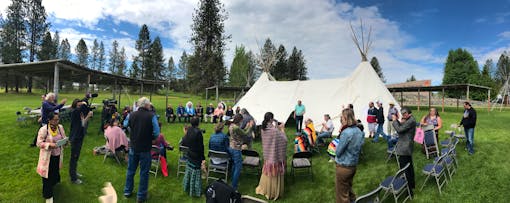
{"x":469,"y":123}
{"x":391,"y":111}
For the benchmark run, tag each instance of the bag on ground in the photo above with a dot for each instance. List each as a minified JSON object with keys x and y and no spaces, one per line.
{"x":220,"y":192}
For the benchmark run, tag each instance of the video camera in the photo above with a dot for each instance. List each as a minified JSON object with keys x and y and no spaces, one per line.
{"x":88,"y":105}
{"x":109,"y":102}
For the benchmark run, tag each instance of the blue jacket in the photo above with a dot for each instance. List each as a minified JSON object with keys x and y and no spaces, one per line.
{"x":219,"y":142}
{"x":349,"y":146}
{"x":180,"y":110}
{"x":48,"y":107}
{"x":190,"y":111}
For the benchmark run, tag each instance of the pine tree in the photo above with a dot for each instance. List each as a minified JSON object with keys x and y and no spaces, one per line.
{"x":377,"y":68}
{"x":410,"y":79}
{"x":114,"y":57}
{"x":134,"y":71}
{"x":293,"y":65}
{"x":65,"y":50}
{"x":170,"y":70}
{"x":253,"y":71}
{"x":182,"y":71}
{"x":36,"y":25}
{"x":239,"y":68}
{"x":487,"y":79}
{"x":56,"y":46}
{"x":268,"y":54}
{"x":302,"y":71}
{"x":95,"y":55}
{"x":101,"y":59}
{"x":13,"y":36}
{"x":206,"y":66}
{"x":503,"y":68}
{"x":122,"y":62}
{"x":460,"y":68}
{"x":47,"y":48}
{"x":280,"y":70}
{"x":82,"y":53}
{"x":155,"y":70}
{"x":143,"y":45}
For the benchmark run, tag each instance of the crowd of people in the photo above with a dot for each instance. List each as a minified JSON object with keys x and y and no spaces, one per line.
{"x":141,"y":124}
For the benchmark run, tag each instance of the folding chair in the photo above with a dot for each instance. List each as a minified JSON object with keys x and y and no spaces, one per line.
{"x":155,"y":157}
{"x":182,"y":161}
{"x":21,"y":120}
{"x":450,"y":161}
{"x":437,"y":170}
{"x":449,"y":141}
{"x":430,"y":143}
{"x":392,"y":152}
{"x":397,"y":185}
{"x":251,"y":160}
{"x":302,"y":161}
{"x":111,"y":153}
{"x":460,"y":134}
{"x":371,"y":197}
{"x":220,"y":169}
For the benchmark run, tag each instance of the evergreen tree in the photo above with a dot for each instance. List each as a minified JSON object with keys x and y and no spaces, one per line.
{"x":47,"y":50}
{"x":293,"y":64}
{"x":253,"y":71}
{"x":36,"y":26}
{"x":206,"y":66}
{"x":182,"y":71}
{"x":65,"y":50}
{"x":377,"y":68}
{"x":155,"y":70}
{"x":114,"y":58}
{"x":134,"y":71}
{"x":82,"y":53}
{"x":486,"y":79}
{"x":101,"y":58}
{"x":503,"y":68}
{"x":143,"y":45}
{"x":460,"y":68}
{"x":122,"y":62}
{"x":56,"y":46}
{"x":410,"y":79}
{"x":280,"y":71}
{"x":13,"y":36}
{"x":302,"y":71}
{"x":170,"y":70}
{"x":239,"y":68}
{"x":95,"y":55}
{"x":269,"y":55}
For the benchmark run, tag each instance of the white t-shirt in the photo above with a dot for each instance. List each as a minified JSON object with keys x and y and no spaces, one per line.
{"x":330,"y":126}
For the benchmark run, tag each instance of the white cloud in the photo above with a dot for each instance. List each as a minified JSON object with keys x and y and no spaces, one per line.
{"x":504,"y":35}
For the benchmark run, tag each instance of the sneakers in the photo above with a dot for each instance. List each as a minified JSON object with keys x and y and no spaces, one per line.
{"x":49,"y":200}
{"x":79,"y":175}
{"x":77,"y":182}
{"x":127,"y":195}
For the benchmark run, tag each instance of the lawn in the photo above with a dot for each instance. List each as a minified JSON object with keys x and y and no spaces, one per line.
{"x":483,"y":177}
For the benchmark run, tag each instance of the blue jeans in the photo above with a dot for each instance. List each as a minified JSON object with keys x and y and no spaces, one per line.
{"x":322,"y":135}
{"x":299,"y":123}
{"x":380,"y":131}
{"x":470,"y":136}
{"x":144,"y":159}
{"x":236,"y":166}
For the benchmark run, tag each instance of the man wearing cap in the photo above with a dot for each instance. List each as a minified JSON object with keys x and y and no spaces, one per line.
{"x":406,"y":128}
{"x":392,"y":111}
{"x":469,"y":123}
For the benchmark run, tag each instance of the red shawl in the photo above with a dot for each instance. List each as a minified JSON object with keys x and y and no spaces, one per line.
{"x":274,"y":145}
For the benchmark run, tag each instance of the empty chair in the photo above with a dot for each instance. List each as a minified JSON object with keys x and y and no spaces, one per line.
{"x":371,"y":197}
{"x":155,"y":157}
{"x":397,"y":185}
{"x":111,"y":153}
{"x":218,"y":169}
{"x":181,"y":162}
{"x":302,"y":161}
{"x":392,"y":151}
{"x":436,"y":170}
{"x":449,"y":141}
{"x":459,"y":132}
{"x":21,"y":119}
{"x":251,"y":161}
{"x":450,"y":161}
{"x":430,"y":143}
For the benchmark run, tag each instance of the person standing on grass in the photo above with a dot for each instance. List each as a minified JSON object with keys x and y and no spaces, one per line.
{"x":237,"y":136}
{"x":392,"y":111}
{"x":80,"y":116}
{"x":469,"y":123}
{"x":299,"y":112}
{"x":406,"y":128}
{"x":144,"y":128}
{"x":50,"y":155}
{"x":347,"y":155}
{"x":274,"y":145}
{"x":380,"y":123}
{"x":371,"y":119}
{"x":49,"y":105}
{"x":194,"y":140}
{"x":247,"y":118}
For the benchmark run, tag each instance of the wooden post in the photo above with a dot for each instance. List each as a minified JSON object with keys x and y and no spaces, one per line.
{"x":206,"y":95}
{"x":489,"y":100}
{"x":467,"y":94}
{"x":152,"y":90}
{"x":47,"y":85}
{"x":88,"y":83}
{"x":56,"y":73}
{"x":419,"y":99}
{"x":457,"y":103}
{"x":442,"y":111}
{"x":141,"y":89}
{"x":401,"y":98}
{"x":166,"y":95}
{"x":430,"y":98}
{"x":114,"y":88}
{"x":217,"y":95}
{"x":120,"y":93}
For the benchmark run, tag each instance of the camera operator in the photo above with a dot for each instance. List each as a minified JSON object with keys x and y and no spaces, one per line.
{"x":80,"y":115}
{"x":109,"y":110}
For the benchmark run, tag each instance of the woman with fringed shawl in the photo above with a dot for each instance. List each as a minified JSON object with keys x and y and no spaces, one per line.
{"x":274,"y":145}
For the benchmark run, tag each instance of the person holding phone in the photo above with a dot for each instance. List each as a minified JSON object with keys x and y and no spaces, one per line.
{"x":79,"y":119}
{"x":50,"y":154}
{"x":237,"y":136}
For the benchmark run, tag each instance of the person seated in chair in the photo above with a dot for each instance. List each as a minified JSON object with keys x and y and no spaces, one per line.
{"x":170,"y":114}
{"x":180,"y":112}
{"x":326,"y":131}
{"x":162,"y":143}
{"x":229,"y":114}
{"x":189,"y":112}
{"x":199,"y":110}
{"x":219,"y":142}
{"x":218,"y":113}
{"x":209,"y":113}
{"x":116,"y":138}
{"x":309,"y":132}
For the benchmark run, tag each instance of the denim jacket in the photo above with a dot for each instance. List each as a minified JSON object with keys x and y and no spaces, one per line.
{"x":349,"y":146}
{"x":219,"y":142}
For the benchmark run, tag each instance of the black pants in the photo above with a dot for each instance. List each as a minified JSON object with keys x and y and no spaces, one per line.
{"x":170,"y":117}
{"x":216,"y":118}
{"x":299,"y":123}
{"x":403,"y":160}
{"x":53,"y":177}
{"x":75,"y":155}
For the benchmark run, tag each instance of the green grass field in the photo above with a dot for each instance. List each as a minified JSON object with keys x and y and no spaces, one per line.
{"x":483,"y":177}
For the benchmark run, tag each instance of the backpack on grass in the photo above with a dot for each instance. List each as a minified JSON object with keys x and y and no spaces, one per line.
{"x":220,"y":192}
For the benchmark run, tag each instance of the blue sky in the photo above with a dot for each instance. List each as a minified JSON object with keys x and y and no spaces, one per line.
{"x":409,"y":37}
